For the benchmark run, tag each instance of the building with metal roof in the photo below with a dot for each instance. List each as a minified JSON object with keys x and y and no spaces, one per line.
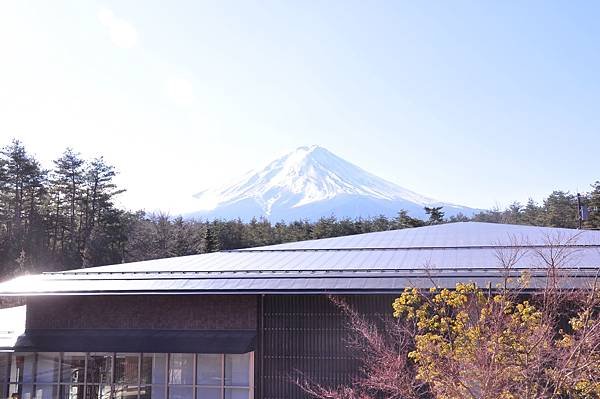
{"x":235,"y":324}
{"x":372,"y":262}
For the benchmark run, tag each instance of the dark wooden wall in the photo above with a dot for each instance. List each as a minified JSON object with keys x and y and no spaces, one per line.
{"x":168,"y":312}
{"x":307,"y":334}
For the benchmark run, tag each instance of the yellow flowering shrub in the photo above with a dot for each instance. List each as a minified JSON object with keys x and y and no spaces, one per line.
{"x":472,"y":344}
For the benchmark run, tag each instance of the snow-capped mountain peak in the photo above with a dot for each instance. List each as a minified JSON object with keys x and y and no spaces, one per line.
{"x":302,"y":179}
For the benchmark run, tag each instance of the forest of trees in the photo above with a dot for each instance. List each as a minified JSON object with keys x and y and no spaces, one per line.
{"x":65,"y":217}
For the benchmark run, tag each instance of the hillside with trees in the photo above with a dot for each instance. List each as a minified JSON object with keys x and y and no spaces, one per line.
{"x":63,"y":216}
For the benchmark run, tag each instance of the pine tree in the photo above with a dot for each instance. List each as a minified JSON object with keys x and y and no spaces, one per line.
{"x":186,"y":240}
{"x":436,"y":215}
{"x":403,"y":221}
{"x":68,"y":181}
{"x":593,"y":204}
{"x":211,"y":243}
{"x":560,"y":210}
{"x":97,"y":201}
{"x":22,"y":194}
{"x":513,"y":214}
{"x":532,"y":214}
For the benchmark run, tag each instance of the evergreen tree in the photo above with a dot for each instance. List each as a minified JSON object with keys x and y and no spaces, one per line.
{"x":22,"y":195}
{"x":494,"y":215}
{"x":211,"y":244}
{"x":97,"y":209}
{"x":560,"y":210}
{"x":513,"y":214}
{"x":186,"y":240}
{"x":459,"y":217}
{"x":436,"y":215}
{"x":532,"y":214}
{"x":403,"y":221}
{"x":593,"y":205}
{"x":68,"y":181}
{"x":325,"y":227}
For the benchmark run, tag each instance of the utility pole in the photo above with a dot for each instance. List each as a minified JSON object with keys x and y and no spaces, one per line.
{"x":583,"y":213}
{"x":579,"y":215}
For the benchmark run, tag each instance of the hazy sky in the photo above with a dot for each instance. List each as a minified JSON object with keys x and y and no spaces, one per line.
{"x":478,"y":103}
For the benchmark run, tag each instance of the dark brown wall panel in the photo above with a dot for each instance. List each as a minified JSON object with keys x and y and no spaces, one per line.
{"x":307,"y":334}
{"x":174,"y":312}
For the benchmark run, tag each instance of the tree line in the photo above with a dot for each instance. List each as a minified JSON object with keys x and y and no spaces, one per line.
{"x":65,"y":217}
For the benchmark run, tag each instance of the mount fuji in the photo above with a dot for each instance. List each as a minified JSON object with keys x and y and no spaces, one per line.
{"x":309,"y":183}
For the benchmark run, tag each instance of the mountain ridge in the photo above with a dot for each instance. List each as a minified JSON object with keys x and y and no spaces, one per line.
{"x":311,"y":182}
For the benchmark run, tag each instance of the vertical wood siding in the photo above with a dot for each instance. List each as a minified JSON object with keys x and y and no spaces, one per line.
{"x":307,"y":335}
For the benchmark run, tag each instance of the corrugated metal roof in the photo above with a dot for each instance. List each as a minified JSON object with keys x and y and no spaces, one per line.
{"x":384,"y":261}
{"x":453,"y":235}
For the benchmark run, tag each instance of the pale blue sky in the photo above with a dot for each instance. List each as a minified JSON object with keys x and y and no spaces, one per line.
{"x":472,"y":102}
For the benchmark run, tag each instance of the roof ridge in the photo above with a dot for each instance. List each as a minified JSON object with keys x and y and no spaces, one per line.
{"x":493,"y":246}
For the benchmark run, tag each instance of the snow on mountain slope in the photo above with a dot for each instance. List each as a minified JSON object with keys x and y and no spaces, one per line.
{"x":311,"y":182}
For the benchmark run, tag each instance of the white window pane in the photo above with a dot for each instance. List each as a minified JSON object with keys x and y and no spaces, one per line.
{"x":176,"y":392}
{"x":47,"y":367}
{"x":209,"y":393}
{"x":181,"y":368}
{"x":210,"y":369}
{"x":237,"y":393}
{"x":237,"y":370}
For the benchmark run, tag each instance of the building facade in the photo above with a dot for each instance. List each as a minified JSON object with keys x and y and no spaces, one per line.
{"x":247,"y":323}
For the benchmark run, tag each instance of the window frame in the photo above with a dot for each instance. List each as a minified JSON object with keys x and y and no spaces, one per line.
{"x":59,"y":386}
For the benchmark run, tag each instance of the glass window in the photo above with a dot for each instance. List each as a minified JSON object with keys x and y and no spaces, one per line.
{"x":181,"y":368}
{"x":154,"y":368}
{"x":47,"y":367}
{"x":125,"y":391}
{"x":181,"y":392}
{"x":13,"y":391}
{"x":99,"y":368}
{"x":210,"y":370}
{"x":26,"y":391}
{"x":153,"y":392}
{"x":126,"y":368}
{"x":98,"y":392}
{"x":73,"y":367}
{"x":71,"y":392}
{"x":126,"y":375}
{"x":46,"y":391}
{"x":22,"y":367}
{"x":154,"y":371}
{"x":20,"y":391}
{"x":237,"y":370}
{"x":209,"y":393}
{"x":237,"y":393}
{"x":76,"y":375}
